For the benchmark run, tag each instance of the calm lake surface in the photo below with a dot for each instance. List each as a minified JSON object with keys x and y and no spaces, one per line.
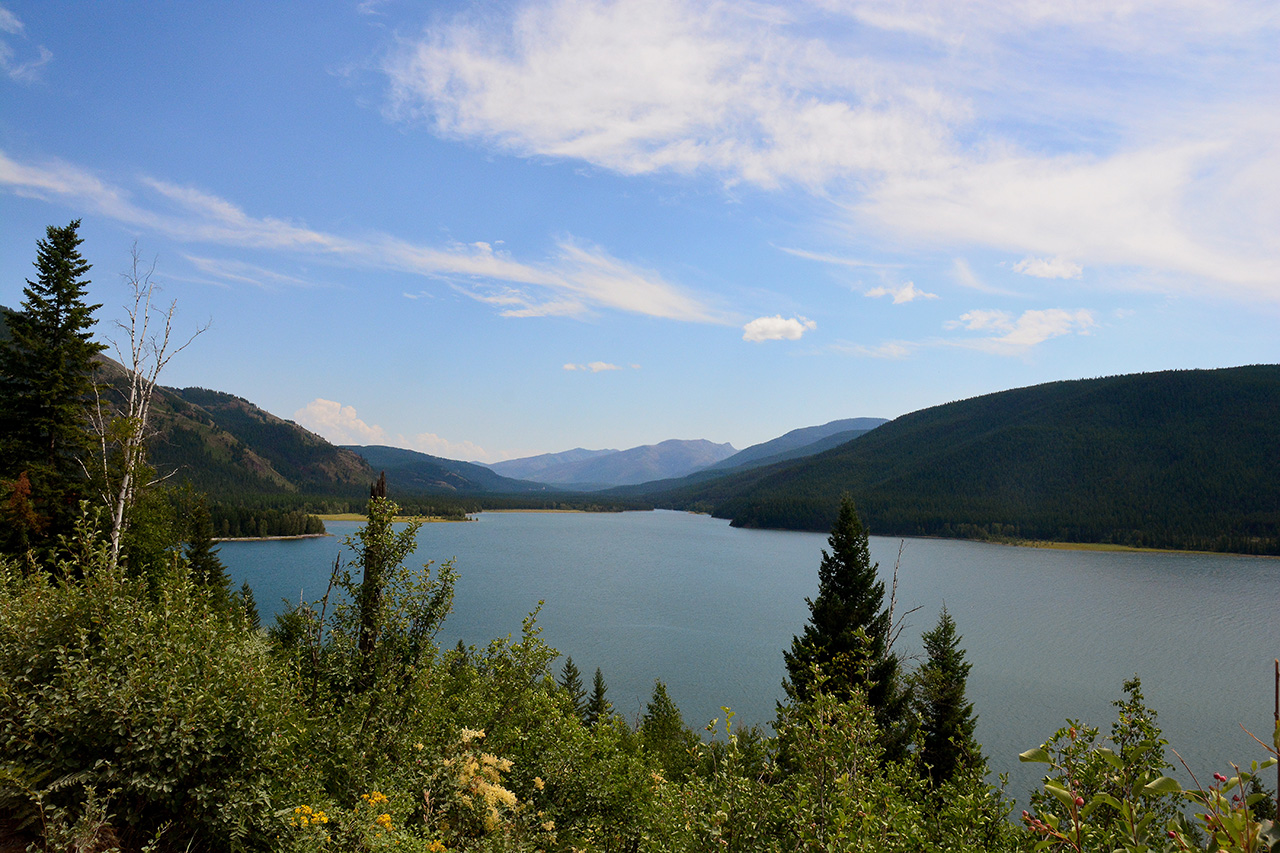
{"x":708,"y":609}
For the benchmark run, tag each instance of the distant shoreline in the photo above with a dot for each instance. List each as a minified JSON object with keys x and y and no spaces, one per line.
{"x":1104,"y":546}
{"x":533,"y":510}
{"x":359,"y":516}
{"x":271,"y":538}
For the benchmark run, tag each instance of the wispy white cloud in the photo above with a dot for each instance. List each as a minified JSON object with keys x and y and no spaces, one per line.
{"x":964,"y":275}
{"x":777,"y":328}
{"x":903,"y":293}
{"x":597,"y":366}
{"x":9,"y":22}
{"x":25,"y":70}
{"x":640,"y":86}
{"x":1048,"y":268}
{"x":1008,"y":335}
{"x":227,"y":269}
{"x":578,"y":279}
{"x":889,"y":350}
{"x":1134,"y":173}
{"x":836,"y":260}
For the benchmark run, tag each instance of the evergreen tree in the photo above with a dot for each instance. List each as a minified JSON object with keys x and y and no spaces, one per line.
{"x":46,"y":382}
{"x":598,"y":707}
{"x":664,"y":735}
{"x":947,"y":718}
{"x":571,"y":681}
{"x":847,"y":638}
{"x":250,"y":606}
{"x":202,"y":557}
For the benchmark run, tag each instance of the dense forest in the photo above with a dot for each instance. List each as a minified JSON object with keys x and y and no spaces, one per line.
{"x":1178,"y":459}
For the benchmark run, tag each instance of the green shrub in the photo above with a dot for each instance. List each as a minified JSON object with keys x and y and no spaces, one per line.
{"x":166,"y":707}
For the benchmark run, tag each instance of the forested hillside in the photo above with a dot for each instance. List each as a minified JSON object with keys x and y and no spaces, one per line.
{"x":1178,"y":459}
{"x":415,"y":473}
{"x":230,"y":448}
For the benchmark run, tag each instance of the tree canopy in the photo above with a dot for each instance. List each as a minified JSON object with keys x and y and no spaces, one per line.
{"x":845,"y":645}
{"x":46,"y":384}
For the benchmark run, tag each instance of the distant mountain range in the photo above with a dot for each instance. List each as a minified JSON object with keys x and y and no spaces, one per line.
{"x":1178,"y":459}
{"x":805,"y":441}
{"x":590,"y":470}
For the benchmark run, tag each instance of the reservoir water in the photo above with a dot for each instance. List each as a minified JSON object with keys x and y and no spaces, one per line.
{"x":708,"y":609}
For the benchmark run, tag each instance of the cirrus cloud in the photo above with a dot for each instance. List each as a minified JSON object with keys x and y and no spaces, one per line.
{"x":578,"y":280}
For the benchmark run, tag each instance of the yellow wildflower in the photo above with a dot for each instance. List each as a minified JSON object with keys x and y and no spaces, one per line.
{"x":549,"y":825}
{"x":384,"y":821}
{"x":538,"y":783}
{"x":468,"y":735}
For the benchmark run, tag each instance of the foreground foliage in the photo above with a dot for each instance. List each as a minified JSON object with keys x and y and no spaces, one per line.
{"x":144,"y":712}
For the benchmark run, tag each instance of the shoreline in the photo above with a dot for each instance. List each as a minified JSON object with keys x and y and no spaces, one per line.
{"x":532,"y":510}
{"x":271,"y":538}
{"x":359,"y":516}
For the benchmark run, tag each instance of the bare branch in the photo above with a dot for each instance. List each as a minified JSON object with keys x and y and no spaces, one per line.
{"x":125,"y":436}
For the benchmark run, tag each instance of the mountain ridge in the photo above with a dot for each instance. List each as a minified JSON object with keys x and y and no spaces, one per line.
{"x":1182,"y":459}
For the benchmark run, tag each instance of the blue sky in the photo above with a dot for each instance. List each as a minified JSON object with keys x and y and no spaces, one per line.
{"x":487,"y":230}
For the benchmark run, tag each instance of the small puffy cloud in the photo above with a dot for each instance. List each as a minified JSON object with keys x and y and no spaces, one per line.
{"x":341,"y":424}
{"x":1014,"y":336}
{"x":429,"y":442}
{"x":597,"y":366}
{"x":338,"y":423}
{"x":1058,"y":267}
{"x":777,"y":328}
{"x":906,"y":293}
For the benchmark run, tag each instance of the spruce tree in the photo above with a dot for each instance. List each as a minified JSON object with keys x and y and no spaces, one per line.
{"x":847,"y":637}
{"x":205,"y":568}
{"x":571,"y":681}
{"x":665,"y":737}
{"x":947,"y":718}
{"x":46,"y":385}
{"x":250,"y":606}
{"x":598,"y":707}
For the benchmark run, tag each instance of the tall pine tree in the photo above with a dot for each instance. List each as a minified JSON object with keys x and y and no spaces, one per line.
{"x":598,"y":707}
{"x":203,"y":564}
{"x":946,"y":716}
{"x":847,"y":637}
{"x":571,"y":681}
{"x":46,"y":385}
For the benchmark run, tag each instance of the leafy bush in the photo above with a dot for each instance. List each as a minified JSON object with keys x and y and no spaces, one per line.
{"x":166,"y":707}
